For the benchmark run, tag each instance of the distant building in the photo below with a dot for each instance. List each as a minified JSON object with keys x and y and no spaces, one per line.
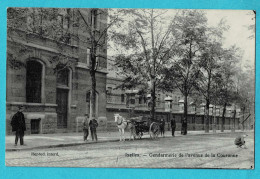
{"x":55,"y":101}
{"x":129,"y":103}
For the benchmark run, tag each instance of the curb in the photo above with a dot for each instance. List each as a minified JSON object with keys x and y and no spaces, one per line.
{"x":59,"y":145}
{"x":103,"y":141}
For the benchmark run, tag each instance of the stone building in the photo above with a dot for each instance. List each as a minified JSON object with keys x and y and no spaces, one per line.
{"x":48,"y":58}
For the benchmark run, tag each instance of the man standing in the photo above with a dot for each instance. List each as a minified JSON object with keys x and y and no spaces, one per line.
{"x":93,"y":124}
{"x":85,"y":127}
{"x":173,"y":126}
{"x":18,"y":125}
{"x":162,"y":125}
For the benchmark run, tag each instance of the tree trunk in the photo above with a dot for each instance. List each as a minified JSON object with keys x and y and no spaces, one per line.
{"x":185,"y":116}
{"x":153,"y":100}
{"x":243,"y":125}
{"x":234,"y":121}
{"x":214,"y":120}
{"x":207,"y":116}
{"x":223,"y":118}
{"x":93,"y":95}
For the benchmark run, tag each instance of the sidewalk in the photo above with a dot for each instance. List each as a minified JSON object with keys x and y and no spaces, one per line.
{"x":40,"y":141}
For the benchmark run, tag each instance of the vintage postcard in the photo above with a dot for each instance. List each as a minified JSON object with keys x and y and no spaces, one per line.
{"x":130,"y":88}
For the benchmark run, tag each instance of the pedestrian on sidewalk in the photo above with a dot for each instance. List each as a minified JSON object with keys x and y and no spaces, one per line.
{"x":240,"y":141}
{"x":162,"y":125}
{"x":184,"y":127}
{"x":18,"y":125}
{"x":93,"y":124}
{"x":173,"y":125}
{"x":86,"y":127}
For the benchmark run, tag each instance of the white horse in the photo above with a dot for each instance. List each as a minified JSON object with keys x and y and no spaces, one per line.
{"x":122,"y":124}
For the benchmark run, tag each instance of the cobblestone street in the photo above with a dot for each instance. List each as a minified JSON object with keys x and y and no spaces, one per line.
{"x":171,"y":152}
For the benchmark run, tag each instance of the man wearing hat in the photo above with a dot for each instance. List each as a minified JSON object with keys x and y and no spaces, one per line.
{"x":18,"y":125}
{"x":173,"y":125}
{"x":93,"y":124}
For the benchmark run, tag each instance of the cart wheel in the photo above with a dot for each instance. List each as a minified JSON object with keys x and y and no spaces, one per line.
{"x":154,"y":130}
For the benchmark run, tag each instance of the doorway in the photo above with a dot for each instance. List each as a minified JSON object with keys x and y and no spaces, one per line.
{"x":62,"y":108}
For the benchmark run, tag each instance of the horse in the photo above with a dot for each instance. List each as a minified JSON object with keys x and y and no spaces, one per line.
{"x":122,"y":124}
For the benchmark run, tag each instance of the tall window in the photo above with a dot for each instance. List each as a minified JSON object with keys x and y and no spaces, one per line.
{"x":33,"y":82}
{"x":94,"y":17}
{"x":122,"y":98}
{"x":62,"y":100}
{"x":140,"y":99}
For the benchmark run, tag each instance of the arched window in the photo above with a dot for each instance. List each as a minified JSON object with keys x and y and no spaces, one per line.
{"x":33,"y":81}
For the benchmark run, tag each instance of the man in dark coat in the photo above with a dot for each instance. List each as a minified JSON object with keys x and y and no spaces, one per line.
{"x":93,"y":124}
{"x":173,"y":126}
{"x":162,"y":125}
{"x":18,"y":125}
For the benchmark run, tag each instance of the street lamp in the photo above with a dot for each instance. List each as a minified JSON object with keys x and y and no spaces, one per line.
{"x":184,"y":123}
{"x":181,"y":105}
{"x":211,"y":114}
{"x":233,"y":110}
{"x":211,"y":110}
{"x":229,"y":109}
{"x":238,"y":113}
{"x":149,"y":104}
{"x":217,"y":114}
{"x":202,"y":108}
{"x":168,"y":103}
{"x":202,"y":112}
{"x":168,"y":107}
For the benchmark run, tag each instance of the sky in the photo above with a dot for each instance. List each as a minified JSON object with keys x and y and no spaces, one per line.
{"x":238,"y":33}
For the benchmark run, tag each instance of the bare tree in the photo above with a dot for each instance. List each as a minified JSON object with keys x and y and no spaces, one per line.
{"x":189,"y":31}
{"x":226,"y":79}
{"x":145,"y":39}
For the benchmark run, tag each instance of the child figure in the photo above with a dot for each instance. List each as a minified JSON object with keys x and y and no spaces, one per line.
{"x":85,"y":128}
{"x":240,"y":141}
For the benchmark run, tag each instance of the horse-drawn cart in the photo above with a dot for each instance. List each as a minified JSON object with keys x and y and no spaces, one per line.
{"x":144,"y":124}
{"x":138,"y":126}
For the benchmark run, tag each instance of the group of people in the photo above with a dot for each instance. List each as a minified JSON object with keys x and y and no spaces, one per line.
{"x":162,"y":126}
{"x":92,"y":125}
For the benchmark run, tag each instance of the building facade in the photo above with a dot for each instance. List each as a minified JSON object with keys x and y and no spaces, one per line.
{"x":48,"y":59}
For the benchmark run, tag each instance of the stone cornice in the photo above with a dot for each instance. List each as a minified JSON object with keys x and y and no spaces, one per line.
{"x":85,"y":66}
{"x":31,"y":104}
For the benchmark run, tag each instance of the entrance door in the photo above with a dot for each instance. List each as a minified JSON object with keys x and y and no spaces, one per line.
{"x":62,"y":108}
